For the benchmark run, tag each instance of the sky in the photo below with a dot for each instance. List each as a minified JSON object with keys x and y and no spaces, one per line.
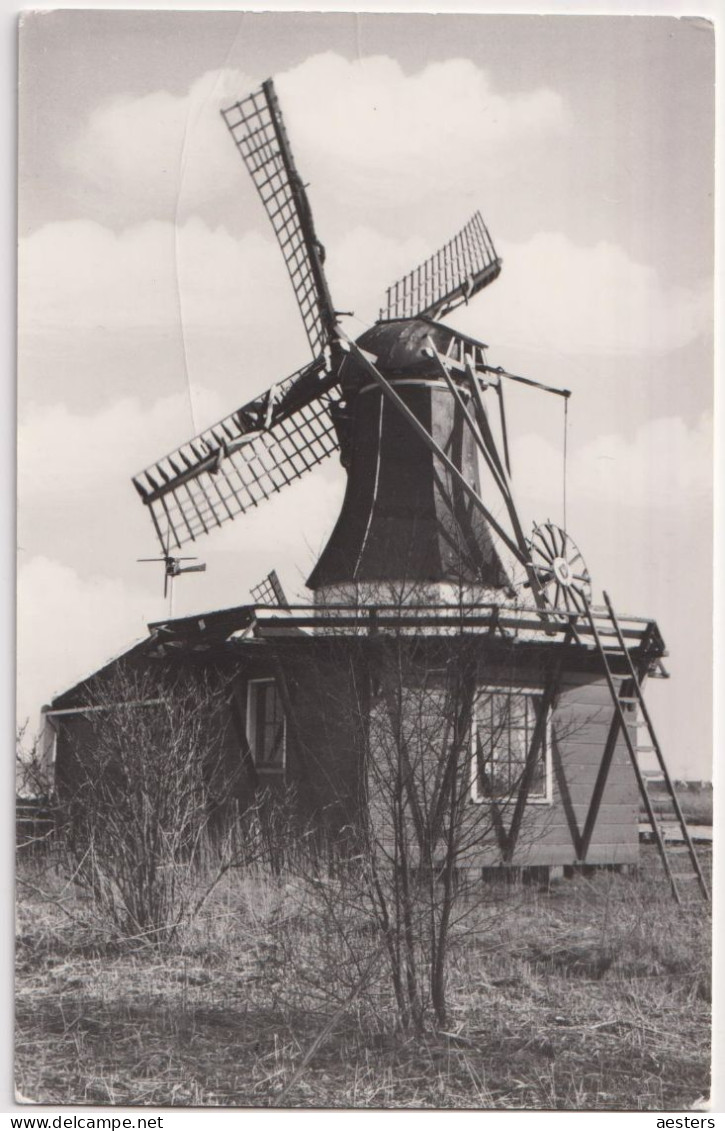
{"x":153,"y":299}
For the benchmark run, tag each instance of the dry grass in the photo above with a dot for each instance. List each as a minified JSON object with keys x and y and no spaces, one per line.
{"x":593,"y":995}
{"x":696,"y":800}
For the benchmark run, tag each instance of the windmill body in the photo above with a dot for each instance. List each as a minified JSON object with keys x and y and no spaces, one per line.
{"x":405,"y":524}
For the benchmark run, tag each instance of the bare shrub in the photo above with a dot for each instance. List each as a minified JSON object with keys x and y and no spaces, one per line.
{"x":144,"y":787}
{"x":404,"y":886}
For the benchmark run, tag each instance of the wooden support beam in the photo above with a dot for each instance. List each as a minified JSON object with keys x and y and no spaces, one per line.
{"x":56,"y":713}
{"x":307,"y":777}
{"x":507,"y":492}
{"x":472,"y":425}
{"x":537,"y":740}
{"x":484,"y":424}
{"x":602,"y":774}
{"x":504,"y":429}
{"x":500,"y":372}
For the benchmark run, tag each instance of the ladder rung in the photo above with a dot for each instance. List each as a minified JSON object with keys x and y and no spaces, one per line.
{"x":645,"y":749}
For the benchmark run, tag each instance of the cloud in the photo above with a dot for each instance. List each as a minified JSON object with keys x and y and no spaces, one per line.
{"x":363,"y":123}
{"x":70,"y":620}
{"x":162,"y":151}
{"x":664,"y":465}
{"x":93,"y":457}
{"x":362,"y":263}
{"x":554,"y":295}
{"x":90,"y":454}
{"x":68,"y":626}
{"x":79,"y":273}
{"x":386,"y":134}
{"x":85,"y":510}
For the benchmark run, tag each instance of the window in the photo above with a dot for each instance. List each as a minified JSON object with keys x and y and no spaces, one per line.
{"x":502,"y":732}
{"x":266,"y":726}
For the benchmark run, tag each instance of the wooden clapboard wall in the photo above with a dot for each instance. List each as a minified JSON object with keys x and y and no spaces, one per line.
{"x":551,"y":833}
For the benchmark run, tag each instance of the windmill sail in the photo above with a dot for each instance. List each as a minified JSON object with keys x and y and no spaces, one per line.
{"x":459,"y":270}
{"x":270,"y":591}
{"x":243,"y":459}
{"x":256,"y":125}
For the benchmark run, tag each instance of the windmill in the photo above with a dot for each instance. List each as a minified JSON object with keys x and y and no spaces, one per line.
{"x":416,"y":412}
{"x":405,"y":406}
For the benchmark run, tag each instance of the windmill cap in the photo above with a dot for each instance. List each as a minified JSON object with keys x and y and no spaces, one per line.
{"x":401,"y":348}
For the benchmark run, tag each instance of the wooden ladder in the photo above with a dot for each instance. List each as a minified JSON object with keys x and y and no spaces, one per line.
{"x":620,"y":701}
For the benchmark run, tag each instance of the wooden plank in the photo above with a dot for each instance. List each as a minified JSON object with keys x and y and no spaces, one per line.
{"x":491,"y":462}
{"x":588,"y":695}
{"x":620,"y":812}
{"x":489,"y":854}
{"x":614,"y":853}
{"x":553,"y":854}
{"x":579,"y":714}
{"x":589,"y":740}
{"x":572,"y":679}
{"x":582,"y":770}
{"x":588,"y":703}
{"x":600,"y":854}
{"x":581,"y":773}
{"x":617,"y":791}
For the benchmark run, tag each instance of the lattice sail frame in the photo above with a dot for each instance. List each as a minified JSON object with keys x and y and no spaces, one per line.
{"x":457,"y":271}
{"x":243,"y":459}
{"x":255,"y":123}
{"x":270,"y":591}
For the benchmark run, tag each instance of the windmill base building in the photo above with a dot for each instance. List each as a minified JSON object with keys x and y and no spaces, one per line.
{"x":323,"y":707}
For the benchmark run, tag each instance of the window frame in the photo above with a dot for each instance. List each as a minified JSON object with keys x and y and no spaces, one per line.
{"x":540,"y":799}
{"x":251,"y":727}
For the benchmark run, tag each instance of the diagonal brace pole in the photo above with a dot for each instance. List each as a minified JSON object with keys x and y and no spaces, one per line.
{"x":598,"y":791}
{"x":473,"y":427}
{"x":537,"y":740}
{"x":481,"y":431}
{"x":437,"y":451}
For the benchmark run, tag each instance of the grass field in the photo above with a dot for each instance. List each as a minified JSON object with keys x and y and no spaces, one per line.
{"x":592,"y":995}
{"x":696,"y":801}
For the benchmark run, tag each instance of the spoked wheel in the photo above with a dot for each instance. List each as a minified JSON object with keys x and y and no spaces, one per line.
{"x":560,"y":568}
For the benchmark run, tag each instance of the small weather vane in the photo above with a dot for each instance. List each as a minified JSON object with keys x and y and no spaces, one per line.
{"x":173,"y":567}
